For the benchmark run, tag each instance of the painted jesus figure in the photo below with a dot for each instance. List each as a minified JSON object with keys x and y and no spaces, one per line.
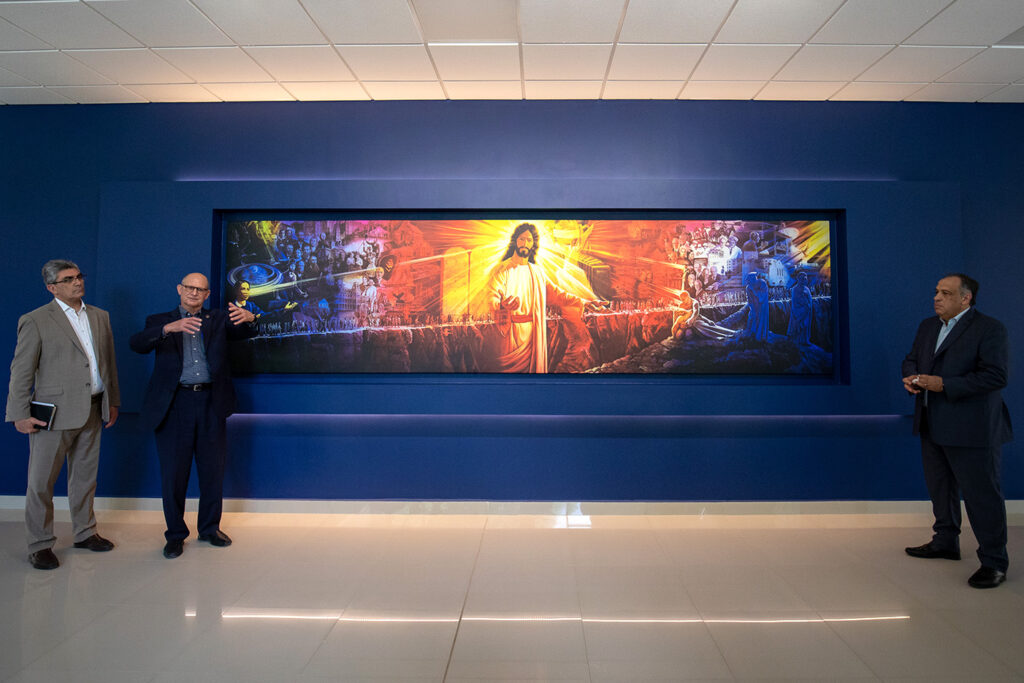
{"x":519,"y":295}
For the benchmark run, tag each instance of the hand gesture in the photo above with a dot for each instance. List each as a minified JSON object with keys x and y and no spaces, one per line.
{"x":239,"y":315}
{"x":910,"y":383}
{"x":184,"y":325}
{"x":509,"y":303}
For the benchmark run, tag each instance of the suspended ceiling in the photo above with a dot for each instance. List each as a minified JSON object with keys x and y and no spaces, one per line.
{"x":124,"y":51}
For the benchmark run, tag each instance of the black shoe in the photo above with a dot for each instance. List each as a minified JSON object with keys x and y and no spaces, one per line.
{"x":217,"y":538}
{"x":986,"y":577}
{"x":95,"y":543}
{"x":44,"y":559}
{"x":174,"y":549}
{"x":930,"y":552}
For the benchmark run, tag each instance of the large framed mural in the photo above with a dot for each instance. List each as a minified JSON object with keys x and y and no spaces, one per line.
{"x":535,"y":292}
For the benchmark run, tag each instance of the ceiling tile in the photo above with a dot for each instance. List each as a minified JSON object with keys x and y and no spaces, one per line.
{"x":654,"y":62}
{"x":642,"y":90}
{"x":302,"y":63}
{"x":467,"y":20}
{"x":673,"y":21}
{"x":476,"y":62}
{"x":954,"y":92}
{"x":1011,"y":93}
{"x":407,"y":90}
{"x":50,"y":68}
{"x":358,"y":22}
{"x":215,"y":64}
{"x":13,"y":38}
{"x":484,"y":90}
{"x":326,"y":91}
{"x":908,"y":64}
{"x":742,"y":62}
{"x":163,"y":23}
{"x":249,"y":92}
{"x":66,"y":25}
{"x":9,"y":78}
{"x":173,"y":92}
{"x":972,"y":22}
{"x":799,"y":90}
{"x":33,"y":95}
{"x":130,"y":66}
{"x":877,"y":22}
{"x":97,"y":94}
{"x":563,"y":90}
{"x":788,"y":21}
{"x":721,"y":90}
{"x":863,"y":91}
{"x":565,"y":62}
{"x":263,"y":22}
{"x":994,"y":65}
{"x":831,"y":62}
{"x":1015,"y":38}
{"x":389,"y":62}
{"x":570,"y":21}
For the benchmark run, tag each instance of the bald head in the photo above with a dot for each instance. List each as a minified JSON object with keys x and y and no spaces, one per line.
{"x":194,"y":290}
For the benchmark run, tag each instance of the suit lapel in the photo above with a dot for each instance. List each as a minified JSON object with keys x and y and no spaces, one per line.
{"x":207,"y":326}
{"x":176,"y":315}
{"x":60,"y":319}
{"x":96,"y":330}
{"x":958,"y":329}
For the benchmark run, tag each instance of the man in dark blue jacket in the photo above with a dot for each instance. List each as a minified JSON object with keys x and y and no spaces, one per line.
{"x":956,"y":369}
{"x":187,"y":403}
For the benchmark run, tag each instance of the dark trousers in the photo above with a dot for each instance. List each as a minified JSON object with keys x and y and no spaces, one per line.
{"x":950,"y":471}
{"x":191,"y":429}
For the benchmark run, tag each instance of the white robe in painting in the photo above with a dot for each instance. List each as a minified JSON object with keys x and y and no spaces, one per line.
{"x":524,"y":345}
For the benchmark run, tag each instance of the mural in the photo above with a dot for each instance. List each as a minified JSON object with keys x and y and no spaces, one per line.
{"x":534,"y":295}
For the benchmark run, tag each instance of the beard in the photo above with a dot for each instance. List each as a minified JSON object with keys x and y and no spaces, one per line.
{"x":526,"y":252}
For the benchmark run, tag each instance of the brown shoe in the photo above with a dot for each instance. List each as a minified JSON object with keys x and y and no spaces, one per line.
{"x":44,"y":559}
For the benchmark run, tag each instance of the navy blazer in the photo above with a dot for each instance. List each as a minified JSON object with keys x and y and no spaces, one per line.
{"x":217,"y":329}
{"x":973,"y":362}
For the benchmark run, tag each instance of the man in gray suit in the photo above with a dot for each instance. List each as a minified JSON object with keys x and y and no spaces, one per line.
{"x":64,"y":356}
{"x":956,"y":370}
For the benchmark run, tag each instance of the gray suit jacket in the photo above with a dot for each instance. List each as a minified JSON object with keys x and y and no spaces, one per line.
{"x":50,"y":365}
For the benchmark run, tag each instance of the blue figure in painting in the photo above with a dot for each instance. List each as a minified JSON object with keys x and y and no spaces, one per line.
{"x":757,"y":302}
{"x":801,"y":310}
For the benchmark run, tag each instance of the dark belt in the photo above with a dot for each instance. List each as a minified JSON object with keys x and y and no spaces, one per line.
{"x":97,"y":398}
{"x":522,"y":318}
{"x":195,"y":387}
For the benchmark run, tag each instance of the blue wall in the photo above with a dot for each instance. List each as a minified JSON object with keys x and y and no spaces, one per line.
{"x":128,"y":191}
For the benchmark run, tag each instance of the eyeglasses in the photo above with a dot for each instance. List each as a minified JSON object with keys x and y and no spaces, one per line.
{"x":69,"y":279}
{"x":194,"y":290}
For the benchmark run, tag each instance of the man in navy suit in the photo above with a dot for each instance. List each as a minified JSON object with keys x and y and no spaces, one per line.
{"x":187,"y":403}
{"x":956,"y":369}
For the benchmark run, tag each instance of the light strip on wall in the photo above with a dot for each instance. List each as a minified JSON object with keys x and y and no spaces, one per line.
{"x":336,"y":616}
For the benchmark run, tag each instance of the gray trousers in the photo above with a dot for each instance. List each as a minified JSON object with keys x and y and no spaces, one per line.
{"x":47,"y":452}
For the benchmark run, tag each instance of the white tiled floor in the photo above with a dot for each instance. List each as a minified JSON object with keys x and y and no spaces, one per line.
{"x":508,"y":597}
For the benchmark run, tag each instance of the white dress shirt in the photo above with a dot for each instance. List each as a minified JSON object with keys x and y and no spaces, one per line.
{"x":80,"y":322}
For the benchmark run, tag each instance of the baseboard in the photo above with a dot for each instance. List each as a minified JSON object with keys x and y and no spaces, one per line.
{"x":472,"y":507}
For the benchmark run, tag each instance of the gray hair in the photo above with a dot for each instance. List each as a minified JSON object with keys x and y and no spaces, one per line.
{"x":54,"y":266}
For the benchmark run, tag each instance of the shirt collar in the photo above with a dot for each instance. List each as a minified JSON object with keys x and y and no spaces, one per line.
{"x":955,"y":319}
{"x":67,"y":308}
